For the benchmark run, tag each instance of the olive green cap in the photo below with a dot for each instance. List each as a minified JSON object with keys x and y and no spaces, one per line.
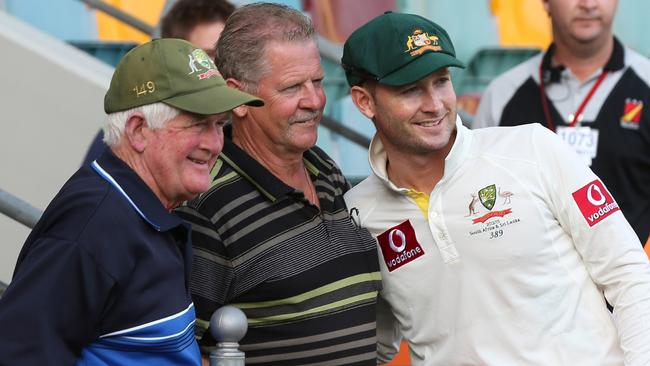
{"x":397,"y":49}
{"x":174,"y":72}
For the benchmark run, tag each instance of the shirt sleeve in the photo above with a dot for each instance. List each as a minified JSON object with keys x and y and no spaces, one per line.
{"x":344,"y":182}
{"x":608,"y":246}
{"x":212,"y":272}
{"x":388,"y":334}
{"x":53,"y":306}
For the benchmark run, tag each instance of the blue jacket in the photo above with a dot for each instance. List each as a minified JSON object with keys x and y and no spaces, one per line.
{"x":102,"y":279}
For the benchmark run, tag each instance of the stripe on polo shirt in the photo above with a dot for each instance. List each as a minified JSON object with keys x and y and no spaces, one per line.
{"x":294,"y":270}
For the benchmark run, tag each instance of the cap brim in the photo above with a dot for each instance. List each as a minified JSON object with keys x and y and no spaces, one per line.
{"x":419,"y":68}
{"x":213,"y":100}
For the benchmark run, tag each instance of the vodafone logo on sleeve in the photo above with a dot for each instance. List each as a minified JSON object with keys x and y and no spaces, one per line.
{"x":399,"y":245}
{"x":595,"y":202}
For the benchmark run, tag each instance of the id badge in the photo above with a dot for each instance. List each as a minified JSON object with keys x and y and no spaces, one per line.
{"x":583,"y":140}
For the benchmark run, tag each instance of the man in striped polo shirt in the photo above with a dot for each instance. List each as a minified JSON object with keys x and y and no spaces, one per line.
{"x":273,"y":236}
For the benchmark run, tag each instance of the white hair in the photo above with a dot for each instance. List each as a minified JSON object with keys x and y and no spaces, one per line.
{"x":155,"y":115}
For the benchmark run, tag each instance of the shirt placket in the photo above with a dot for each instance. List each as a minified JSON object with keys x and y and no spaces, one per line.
{"x":439,"y":232}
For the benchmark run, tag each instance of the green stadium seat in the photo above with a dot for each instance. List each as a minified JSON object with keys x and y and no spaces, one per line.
{"x":109,"y":52}
{"x":489,"y":63}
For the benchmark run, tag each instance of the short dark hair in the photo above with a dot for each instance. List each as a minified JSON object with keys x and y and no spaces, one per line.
{"x":370,"y":84}
{"x":184,"y":15}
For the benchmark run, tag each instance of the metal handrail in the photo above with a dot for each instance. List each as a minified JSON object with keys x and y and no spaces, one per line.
{"x":348,"y":133}
{"x":118,"y":14}
{"x":18,"y":209}
{"x":3,"y":287}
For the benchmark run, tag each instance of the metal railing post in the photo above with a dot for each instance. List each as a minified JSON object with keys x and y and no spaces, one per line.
{"x":228,"y":325}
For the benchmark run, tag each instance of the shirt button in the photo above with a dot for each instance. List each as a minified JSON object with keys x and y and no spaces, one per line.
{"x":442,"y":236}
{"x":433,"y":214}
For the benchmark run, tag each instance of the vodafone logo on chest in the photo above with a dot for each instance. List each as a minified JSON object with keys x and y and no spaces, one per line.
{"x":595,"y":202}
{"x":399,"y":245}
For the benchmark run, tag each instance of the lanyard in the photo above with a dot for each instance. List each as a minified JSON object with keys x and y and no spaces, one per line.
{"x":547,"y":114}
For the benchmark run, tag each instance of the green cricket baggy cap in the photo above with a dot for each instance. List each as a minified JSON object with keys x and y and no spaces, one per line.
{"x":175,"y":72}
{"x":397,"y":49}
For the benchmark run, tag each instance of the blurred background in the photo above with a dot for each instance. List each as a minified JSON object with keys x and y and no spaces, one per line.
{"x":58,"y":56}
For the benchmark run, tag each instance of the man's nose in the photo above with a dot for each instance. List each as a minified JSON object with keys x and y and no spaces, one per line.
{"x":212,"y":138}
{"x":313,"y":96}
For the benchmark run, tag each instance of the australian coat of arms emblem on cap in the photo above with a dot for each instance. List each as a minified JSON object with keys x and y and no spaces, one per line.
{"x":420,"y":41}
{"x":199,"y":61}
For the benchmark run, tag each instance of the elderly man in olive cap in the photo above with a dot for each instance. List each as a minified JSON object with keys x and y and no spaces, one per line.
{"x":103,"y":277}
{"x":496,"y":244}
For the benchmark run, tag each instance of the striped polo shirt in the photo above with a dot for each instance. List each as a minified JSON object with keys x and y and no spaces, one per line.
{"x":307,"y":279}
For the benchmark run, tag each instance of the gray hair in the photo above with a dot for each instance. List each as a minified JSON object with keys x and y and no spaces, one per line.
{"x":155,"y":114}
{"x":249,"y":30}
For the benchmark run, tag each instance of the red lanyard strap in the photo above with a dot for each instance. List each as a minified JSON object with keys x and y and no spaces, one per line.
{"x":547,"y":113}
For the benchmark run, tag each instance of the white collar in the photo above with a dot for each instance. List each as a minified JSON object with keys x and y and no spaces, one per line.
{"x":377,"y":156}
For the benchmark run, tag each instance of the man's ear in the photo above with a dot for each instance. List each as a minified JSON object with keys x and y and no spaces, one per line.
{"x":364,"y":101}
{"x":136,"y":132}
{"x":242,"y":110}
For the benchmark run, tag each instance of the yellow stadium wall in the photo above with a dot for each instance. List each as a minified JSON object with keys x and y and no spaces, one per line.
{"x":521,"y":23}
{"x":111,"y":29}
